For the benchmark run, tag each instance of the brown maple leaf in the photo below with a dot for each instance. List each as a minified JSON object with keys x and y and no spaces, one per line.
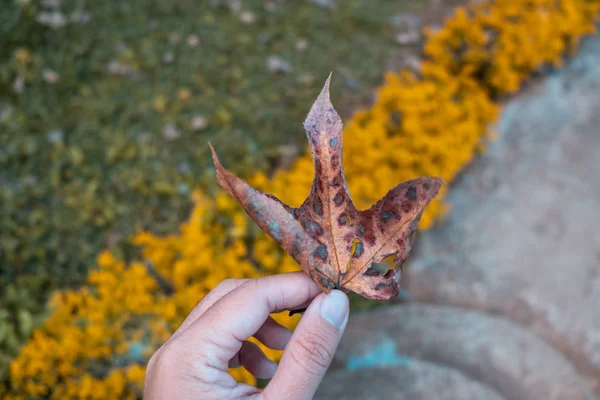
{"x":334,"y":243}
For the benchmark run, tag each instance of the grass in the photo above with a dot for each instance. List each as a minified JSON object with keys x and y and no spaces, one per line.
{"x":97,"y":155}
{"x":106,"y":108}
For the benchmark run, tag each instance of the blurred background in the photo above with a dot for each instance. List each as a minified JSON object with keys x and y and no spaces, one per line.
{"x":112,"y":226}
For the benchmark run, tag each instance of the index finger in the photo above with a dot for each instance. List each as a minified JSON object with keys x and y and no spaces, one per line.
{"x":239,"y":314}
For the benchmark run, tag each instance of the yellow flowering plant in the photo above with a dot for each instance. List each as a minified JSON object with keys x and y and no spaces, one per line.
{"x":99,"y":337}
{"x":429,"y":122}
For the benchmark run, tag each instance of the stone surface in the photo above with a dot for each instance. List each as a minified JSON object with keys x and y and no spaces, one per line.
{"x":417,"y":380}
{"x":523,"y":236}
{"x":514,"y":268}
{"x":494,"y":351}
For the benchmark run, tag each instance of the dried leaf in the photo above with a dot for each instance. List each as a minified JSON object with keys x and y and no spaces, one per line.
{"x":335,"y":243}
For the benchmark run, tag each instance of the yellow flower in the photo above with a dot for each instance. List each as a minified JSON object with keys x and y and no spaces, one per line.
{"x":105,"y":259}
{"x":136,"y":373}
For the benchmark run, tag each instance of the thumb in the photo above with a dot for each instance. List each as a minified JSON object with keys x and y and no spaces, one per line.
{"x":311,"y":348}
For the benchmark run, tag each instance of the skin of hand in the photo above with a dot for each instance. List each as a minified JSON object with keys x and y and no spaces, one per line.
{"x":193,"y":363}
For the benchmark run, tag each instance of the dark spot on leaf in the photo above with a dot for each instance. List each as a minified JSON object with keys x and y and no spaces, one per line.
{"x":333,"y":142}
{"x":320,"y":184}
{"x":318,"y":167}
{"x":361,"y":229}
{"x":359,"y":250}
{"x":335,"y":164}
{"x":415,"y":223}
{"x":328,"y":283}
{"x":297,"y":245}
{"x":406,"y":207}
{"x":389,"y":283}
{"x":312,"y":228}
{"x":386,"y":285}
{"x":274,"y":230}
{"x":255,"y":211}
{"x":427,"y":185}
{"x":339,"y":198}
{"x":411,"y":193}
{"x":335,"y":182}
{"x":349,"y":236}
{"x":321,"y":252}
{"x":387,"y":215}
{"x":295,"y":250}
{"x":370,"y":238}
{"x":343,"y":219}
{"x":318,"y":206}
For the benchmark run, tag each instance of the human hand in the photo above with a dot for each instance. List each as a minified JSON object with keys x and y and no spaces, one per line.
{"x":193,"y":363}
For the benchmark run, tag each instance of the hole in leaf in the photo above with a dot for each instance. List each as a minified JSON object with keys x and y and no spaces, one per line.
{"x":355,"y":243}
{"x":382,"y":267}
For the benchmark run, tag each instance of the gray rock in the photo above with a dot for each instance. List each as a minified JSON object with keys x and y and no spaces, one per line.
{"x":523,"y":237}
{"x":502,"y":356}
{"x":418,"y":380}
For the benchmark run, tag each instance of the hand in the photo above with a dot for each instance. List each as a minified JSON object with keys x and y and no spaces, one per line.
{"x":193,"y":363}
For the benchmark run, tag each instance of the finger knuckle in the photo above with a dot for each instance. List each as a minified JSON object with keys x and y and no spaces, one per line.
{"x":250,"y":285}
{"x":162,"y":360}
{"x":227,"y":283}
{"x":313,"y":353}
{"x":175,"y":361}
{"x":252,"y":289}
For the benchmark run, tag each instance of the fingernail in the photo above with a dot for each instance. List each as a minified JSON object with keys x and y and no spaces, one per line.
{"x":334,"y":308}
